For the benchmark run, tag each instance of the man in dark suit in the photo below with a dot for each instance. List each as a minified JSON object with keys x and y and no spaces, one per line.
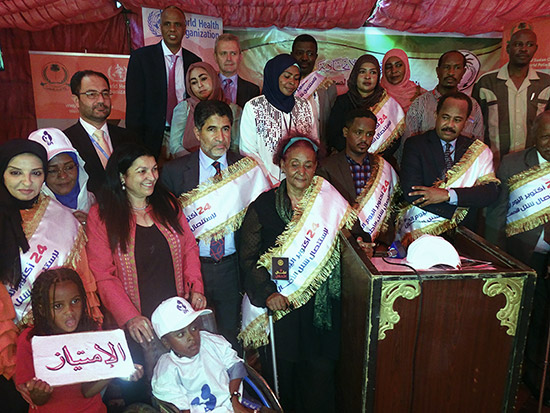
{"x":227,"y":52}
{"x":92,"y":136}
{"x":428,"y":157}
{"x":150,"y":97}
{"x":529,"y":245}
{"x":213,"y":120}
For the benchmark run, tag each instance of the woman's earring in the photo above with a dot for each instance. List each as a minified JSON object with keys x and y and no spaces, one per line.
{"x":122,"y":185}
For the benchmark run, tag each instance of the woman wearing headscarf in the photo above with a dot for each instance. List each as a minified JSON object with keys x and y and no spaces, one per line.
{"x":275,"y":114}
{"x":396,"y":78}
{"x":67,"y":180}
{"x":365,"y":91}
{"x":37,"y":232}
{"x":201,"y":83}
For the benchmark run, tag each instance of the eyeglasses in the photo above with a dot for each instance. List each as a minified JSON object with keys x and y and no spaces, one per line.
{"x":67,"y":168}
{"x":94,"y":94}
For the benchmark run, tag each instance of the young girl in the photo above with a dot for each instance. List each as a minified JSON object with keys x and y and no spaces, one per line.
{"x":59,"y":306}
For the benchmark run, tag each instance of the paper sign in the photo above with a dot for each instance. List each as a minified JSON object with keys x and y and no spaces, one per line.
{"x":81,"y":357}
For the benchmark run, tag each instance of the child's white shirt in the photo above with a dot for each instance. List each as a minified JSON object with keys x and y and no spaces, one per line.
{"x":201,"y":383}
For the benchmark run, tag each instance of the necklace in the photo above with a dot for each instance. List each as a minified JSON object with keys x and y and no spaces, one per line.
{"x":140,"y":208}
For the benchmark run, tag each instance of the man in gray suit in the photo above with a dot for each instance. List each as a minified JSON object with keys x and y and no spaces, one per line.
{"x":304,"y":50}
{"x":213,"y":120}
{"x":519,"y":173}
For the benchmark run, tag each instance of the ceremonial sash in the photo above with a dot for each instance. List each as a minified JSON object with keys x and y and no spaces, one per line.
{"x":207,"y":209}
{"x":390,"y":125}
{"x":50,"y":245}
{"x":309,"y":85}
{"x":310,"y":242}
{"x":474,"y":168}
{"x":529,"y":199}
{"x":374,"y":201}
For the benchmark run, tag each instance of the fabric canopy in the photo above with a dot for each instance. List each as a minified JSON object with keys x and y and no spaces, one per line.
{"x":416,"y":16}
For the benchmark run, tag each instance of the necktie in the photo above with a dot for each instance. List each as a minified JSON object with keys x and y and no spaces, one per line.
{"x":171,"y":100}
{"x":227,"y":89}
{"x":217,"y":247}
{"x":106,"y":152}
{"x":448,"y":156}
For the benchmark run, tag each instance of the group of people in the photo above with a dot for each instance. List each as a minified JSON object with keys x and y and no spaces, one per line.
{"x":215,"y":191}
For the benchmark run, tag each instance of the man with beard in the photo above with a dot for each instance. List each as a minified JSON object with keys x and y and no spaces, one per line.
{"x":92,"y":136}
{"x":365,"y":180}
{"x":321,"y":98}
{"x":445,"y":175}
{"x":420,"y":117}
{"x":512,"y":96}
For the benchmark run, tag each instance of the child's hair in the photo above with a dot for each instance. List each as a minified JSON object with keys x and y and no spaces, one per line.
{"x":41,"y":306}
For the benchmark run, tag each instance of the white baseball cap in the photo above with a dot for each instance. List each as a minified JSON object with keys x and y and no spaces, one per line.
{"x":174,"y":314}
{"x":429,"y":250}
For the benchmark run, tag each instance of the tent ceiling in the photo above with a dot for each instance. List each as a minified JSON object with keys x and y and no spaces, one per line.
{"x":417,"y":16}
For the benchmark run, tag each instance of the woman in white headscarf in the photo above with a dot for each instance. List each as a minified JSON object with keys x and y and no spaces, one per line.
{"x":67,"y":181}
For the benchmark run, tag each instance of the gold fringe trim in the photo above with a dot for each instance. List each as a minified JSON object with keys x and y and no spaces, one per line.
{"x":397,"y":131}
{"x":229,"y":226}
{"x":79,"y":243}
{"x":465,"y":162}
{"x":437,"y":227}
{"x":535,"y":172}
{"x":29,"y":227}
{"x":372,"y":183}
{"x":295,"y":225}
{"x":254,"y":335}
{"x":232,"y":172}
{"x":485,"y":179}
{"x":528,"y":223}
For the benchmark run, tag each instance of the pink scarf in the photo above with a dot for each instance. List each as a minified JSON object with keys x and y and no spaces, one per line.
{"x":190,"y":142}
{"x":405,"y":91}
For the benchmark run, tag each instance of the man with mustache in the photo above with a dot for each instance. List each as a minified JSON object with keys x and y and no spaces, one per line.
{"x":444,"y":174}
{"x":512,"y":96}
{"x":92,"y":136}
{"x":450,"y":69}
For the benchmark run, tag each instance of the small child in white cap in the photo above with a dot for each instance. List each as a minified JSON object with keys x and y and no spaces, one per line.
{"x":201,"y":372}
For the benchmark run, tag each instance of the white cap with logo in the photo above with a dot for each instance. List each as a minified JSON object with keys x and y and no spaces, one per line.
{"x":174,"y":314}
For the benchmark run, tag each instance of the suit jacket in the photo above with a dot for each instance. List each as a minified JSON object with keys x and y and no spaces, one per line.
{"x":146,"y":94}
{"x":423,"y":164}
{"x":245,"y":91}
{"x":182,"y":174}
{"x":83,"y":144}
{"x":520,"y":245}
{"x":336,"y":170}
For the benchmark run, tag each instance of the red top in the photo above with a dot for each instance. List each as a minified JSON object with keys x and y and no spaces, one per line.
{"x":116,"y":274}
{"x":67,"y":398}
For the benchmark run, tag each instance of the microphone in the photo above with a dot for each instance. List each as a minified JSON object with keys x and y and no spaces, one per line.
{"x":396,"y":250}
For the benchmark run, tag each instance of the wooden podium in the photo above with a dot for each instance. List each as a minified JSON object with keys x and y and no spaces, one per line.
{"x":440,"y":341}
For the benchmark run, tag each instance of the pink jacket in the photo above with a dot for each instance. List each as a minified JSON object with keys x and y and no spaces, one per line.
{"x":116,"y":274}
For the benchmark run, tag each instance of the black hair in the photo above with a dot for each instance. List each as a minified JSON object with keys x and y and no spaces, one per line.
{"x":207,"y":108}
{"x":305,"y":38}
{"x":359,"y":112}
{"x":442,"y":57}
{"x":41,"y":304}
{"x":457,"y":96}
{"x":114,"y":205}
{"x":76,"y":80}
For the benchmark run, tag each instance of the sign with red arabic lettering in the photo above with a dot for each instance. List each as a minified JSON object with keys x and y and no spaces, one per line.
{"x":81,"y":357}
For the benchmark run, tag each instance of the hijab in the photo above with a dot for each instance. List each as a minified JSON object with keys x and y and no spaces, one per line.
{"x":353,"y":93}
{"x":406,"y":90}
{"x":56,"y":142}
{"x":273,"y":69}
{"x":11,"y":230}
{"x":190,"y":141}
